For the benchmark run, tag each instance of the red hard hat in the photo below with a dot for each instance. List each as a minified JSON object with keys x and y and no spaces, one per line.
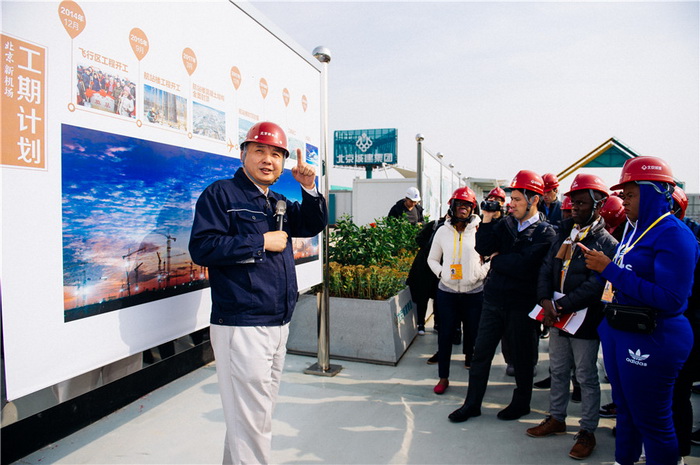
{"x":566,"y":203}
{"x":645,"y":169}
{"x":613,"y":212}
{"x":587,"y":181}
{"x":267,"y":133}
{"x":551,"y":182}
{"x":497,"y":192}
{"x":681,"y":199}
{"x":526,"y":179}
{"x":464,"y":193}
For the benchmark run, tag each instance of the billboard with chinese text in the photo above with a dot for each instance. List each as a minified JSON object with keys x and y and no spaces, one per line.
{"x":363,"y":147}
{"x":114,"y":121}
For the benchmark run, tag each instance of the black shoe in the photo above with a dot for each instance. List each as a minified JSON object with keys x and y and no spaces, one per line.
{"x":576,"y":395}
{"x":464,"y":413}
{"x":513,"y":412}
{"x":467,"y":363}
{"x":433,"y":360}
{"x":544,"y":384}
{"x":457,"y":340}
{"x":545,"y":333}
{"x":421,"y":330}
{"x":510,"y":370}
{"x":608,"y":410}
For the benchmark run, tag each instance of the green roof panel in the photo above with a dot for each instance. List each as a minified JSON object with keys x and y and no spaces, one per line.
{"x":613,"y":157}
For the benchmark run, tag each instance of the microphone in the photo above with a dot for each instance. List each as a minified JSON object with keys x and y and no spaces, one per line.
{"x":280,"y":210}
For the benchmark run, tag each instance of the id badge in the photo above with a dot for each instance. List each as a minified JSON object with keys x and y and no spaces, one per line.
{"x":607,"y":296}
{"x":456,"y":271}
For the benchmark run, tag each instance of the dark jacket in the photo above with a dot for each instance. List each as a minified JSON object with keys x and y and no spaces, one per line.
{"x":553,"y":215}
{"x":514,"y":271}
{"x":421,"y":281}
{"x":583,"y":287}
{"x":399,"y":209}
{"x":249,"y":286}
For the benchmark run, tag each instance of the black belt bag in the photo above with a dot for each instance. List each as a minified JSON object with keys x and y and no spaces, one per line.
{"x":631,"y":319}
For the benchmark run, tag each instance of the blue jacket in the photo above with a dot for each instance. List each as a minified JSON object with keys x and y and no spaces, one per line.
{"x":658,"y":271}
{"x":553,"y":215}
{"x":249,"y":286}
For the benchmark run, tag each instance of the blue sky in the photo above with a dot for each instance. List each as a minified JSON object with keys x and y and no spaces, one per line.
{"x":498,"y":87}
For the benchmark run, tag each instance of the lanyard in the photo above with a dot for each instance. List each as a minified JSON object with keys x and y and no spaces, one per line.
{"x":624,"y":248}
{"x":567,"y":261}
{"x":456,"y":258}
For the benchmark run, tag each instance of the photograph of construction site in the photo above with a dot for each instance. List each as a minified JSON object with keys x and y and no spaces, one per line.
{"x":128,"y":206}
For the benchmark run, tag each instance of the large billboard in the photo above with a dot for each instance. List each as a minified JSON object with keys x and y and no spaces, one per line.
{"x":114,"y":121}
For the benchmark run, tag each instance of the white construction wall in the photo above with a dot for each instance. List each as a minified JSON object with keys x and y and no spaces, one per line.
{"x":373,"y":198}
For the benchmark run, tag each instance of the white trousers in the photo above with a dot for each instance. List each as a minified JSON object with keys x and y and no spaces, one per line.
{"x":249,"y":362}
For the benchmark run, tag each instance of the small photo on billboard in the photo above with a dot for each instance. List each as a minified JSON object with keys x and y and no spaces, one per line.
{"x":312,"y":157}
{"x":292,"y":145}
{"x":244,"y":126}
{"x":164,"y":108}
{"x":105,"y":90}
{"x":208,"y":122}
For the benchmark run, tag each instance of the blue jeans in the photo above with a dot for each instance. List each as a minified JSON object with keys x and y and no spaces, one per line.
{"x":454,"y":308}
{"x":513,"y":322}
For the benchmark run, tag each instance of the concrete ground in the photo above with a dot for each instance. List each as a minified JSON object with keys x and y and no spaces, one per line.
{"x":367,"y":414}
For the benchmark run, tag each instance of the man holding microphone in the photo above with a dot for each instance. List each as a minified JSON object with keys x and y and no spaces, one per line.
{"x":236,"y":234}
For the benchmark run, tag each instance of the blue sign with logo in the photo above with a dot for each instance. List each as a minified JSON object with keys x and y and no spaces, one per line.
{"x":362,"y":147}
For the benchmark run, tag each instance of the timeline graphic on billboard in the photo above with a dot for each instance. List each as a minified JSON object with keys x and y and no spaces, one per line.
{"x":362,"y":147}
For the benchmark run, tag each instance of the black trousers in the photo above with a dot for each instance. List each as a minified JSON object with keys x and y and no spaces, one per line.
{"x":682,"y":406}
{"x":514,"y":323}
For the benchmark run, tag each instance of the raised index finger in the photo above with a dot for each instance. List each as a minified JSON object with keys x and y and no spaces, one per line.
{"x":301,"y":157}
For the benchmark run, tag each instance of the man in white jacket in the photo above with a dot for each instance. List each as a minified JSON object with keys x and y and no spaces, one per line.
{"x":461,"y":271}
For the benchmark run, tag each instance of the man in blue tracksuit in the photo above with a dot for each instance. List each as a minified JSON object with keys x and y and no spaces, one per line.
{"x":253,"y":282}
{"x":653,"y":267}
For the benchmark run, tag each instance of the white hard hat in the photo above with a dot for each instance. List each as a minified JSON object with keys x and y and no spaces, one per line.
{"x":413,"y":194}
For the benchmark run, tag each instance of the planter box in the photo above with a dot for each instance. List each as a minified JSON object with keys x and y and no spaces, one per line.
{"x":376,"y":331}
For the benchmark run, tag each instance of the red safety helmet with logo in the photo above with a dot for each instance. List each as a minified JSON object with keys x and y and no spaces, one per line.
{"x":645,"y":169}
{"x":464,"y":193}
{"x":497,"y":192}
{"x":267,"y":133}
{"x":551,"y":182}
{"x":585,"y":181}
{"x":680,"y":199}
{"x":566,"y":203}
{"x":612,"y":212}
{"x":526,"y":179}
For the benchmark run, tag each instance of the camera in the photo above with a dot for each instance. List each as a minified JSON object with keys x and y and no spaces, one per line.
{"x":490,"y":206}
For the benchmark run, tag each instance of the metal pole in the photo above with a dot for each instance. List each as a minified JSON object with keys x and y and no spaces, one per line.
{"x":323,"y":366}
{"x":419,"y":164}
{"x":440,"y":156}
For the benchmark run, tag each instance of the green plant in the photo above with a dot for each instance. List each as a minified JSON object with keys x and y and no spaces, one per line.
{"x":379,"y":243}
{"x":372,"y":261}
